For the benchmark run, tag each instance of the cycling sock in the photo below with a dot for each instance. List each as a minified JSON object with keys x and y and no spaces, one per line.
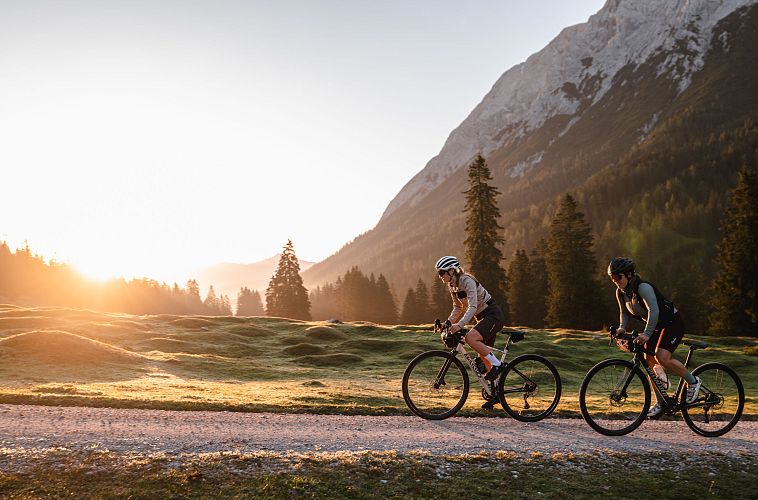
{"x":690,"y":378}
{"x":492,"y":359}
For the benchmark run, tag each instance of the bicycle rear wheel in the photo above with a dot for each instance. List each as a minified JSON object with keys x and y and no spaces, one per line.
{"x":530,"y":388}
{"x":719,"y":404}
{"x":435,"y":385}
{"x":609,"y":407}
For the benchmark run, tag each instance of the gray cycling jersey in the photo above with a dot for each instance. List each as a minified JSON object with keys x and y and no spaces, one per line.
{"x":465,"y":286}
{"x":632,"y":306}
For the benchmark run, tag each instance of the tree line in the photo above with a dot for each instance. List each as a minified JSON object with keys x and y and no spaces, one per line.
{"x":558,"y":283}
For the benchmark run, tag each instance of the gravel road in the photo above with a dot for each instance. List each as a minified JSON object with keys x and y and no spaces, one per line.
{"x":155,"y":431}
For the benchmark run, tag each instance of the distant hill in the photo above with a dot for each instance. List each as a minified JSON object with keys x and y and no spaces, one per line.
{"x":228,"y":278}
{"x":644,"y":113}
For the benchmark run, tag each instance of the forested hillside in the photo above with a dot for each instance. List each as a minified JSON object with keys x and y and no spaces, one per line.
{"x":649,"y":166}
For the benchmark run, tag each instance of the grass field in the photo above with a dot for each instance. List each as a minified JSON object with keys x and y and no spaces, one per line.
{"x":77,"y":357}
{"x":603,"y":474}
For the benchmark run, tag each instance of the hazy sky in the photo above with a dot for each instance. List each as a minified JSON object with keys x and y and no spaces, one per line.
{"x":148,"y":138}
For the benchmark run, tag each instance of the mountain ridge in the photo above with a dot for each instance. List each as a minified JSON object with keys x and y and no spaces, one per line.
{"x":641,"y":116}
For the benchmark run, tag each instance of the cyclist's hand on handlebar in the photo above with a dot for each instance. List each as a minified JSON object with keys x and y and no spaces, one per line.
{"x":641,"y":339}
{"x":454,"y":328}
{"x":620,"y":331}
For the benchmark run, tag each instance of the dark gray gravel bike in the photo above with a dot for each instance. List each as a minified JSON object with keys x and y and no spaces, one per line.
{"x":615,"y":395}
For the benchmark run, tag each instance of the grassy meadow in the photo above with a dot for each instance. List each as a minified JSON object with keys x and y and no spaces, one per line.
{"x":64,"y":356}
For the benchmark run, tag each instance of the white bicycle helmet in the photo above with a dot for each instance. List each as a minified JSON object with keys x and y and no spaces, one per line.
{"x":446,"y":263}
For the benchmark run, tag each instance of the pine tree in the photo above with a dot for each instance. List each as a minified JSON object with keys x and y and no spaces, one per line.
{"x":286,"y":296}
{"x":423,"y":310}
{"x":249,"y":302}
{"x":441,"y":302}
{"x":211,"y":301}
{"x":734,"y":296}
{"x":521,"y":289}
{"x":574,"y":296}
{"x":483,"y":232}
{"x":408,"y":315}
{"x":385,"y":302}
{"x":539,"y":284}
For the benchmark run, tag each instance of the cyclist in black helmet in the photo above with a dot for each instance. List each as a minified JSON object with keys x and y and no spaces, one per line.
{"x":480,"y":305}
{"x":664,"y":326}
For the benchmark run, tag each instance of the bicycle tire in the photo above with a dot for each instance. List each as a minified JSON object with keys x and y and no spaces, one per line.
{"x":422,"y":391}
{"x":529,"y":376}
{"x":603,"y":408}
{"x":722,"y":385}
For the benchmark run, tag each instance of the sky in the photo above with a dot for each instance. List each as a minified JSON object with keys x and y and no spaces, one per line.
{"x":153,"y":138}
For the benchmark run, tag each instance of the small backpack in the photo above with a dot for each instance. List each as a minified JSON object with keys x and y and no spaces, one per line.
{"x":665,"y":306}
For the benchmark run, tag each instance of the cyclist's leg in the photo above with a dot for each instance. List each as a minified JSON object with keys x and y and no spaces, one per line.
{"x":669,"y":339}
{"x":489,"y":322}
{"x":476,"y":341}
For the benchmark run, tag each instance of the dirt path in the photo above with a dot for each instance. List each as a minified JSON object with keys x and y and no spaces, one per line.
{"x":151,"y":431}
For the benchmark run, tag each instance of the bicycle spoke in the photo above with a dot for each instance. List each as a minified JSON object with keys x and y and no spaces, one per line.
{"x":430,"y":390}
{"x":530,"y":389}
{"x":719,"y":403}
{"x":613,"y":400}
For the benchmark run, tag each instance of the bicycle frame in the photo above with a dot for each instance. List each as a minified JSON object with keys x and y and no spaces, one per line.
{"x":488,"y":387}
{"x":671,"y":404}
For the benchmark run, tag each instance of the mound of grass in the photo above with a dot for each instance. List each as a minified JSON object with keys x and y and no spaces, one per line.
{"x":250,"y":331}
{"x":313,"y":383}
{"x":303,"y":350}
{"x":26,"y":322}
{"x":192,"y":322}
{"x":752,"y":351}
{"x":130,"y":325}
{"x":379,"y":346}
{"x":324,"y":333}
{"x":59,"y":347}
{"x":337,"y":359}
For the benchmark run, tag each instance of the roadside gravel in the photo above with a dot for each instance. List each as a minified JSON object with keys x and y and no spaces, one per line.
{"x":191,"y":432}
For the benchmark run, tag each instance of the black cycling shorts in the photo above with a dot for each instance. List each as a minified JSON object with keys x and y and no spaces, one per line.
{"x":489,"y":322}
{"x":667,"y":337}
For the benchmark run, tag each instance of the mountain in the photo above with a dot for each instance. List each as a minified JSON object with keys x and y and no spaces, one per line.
{"x":644,"y":113}
{"x":228,"y":278}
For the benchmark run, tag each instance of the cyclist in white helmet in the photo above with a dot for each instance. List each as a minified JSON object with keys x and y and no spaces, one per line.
{"x":479,"y":305}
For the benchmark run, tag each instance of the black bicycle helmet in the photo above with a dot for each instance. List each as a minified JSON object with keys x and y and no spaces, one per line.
{"x":621,"y":265}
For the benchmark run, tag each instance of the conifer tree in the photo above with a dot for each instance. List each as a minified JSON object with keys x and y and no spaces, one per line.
{"x":441,"y":302}
{"x":211,"y":301}
{"x":408,"y":314}
{"x":386,"y":308}
{"x":734,"y":296}
{"x":483,"y":232}
{"x":539,"y":284}
{"x":521,"y":289}
{"x":286,"y":296}
{"x":574,"y":296}
{"x":423,"y":309}
{"x":249,"y":302}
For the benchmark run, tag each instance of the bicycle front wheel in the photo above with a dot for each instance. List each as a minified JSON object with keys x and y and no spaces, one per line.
{"x":435,"y":385}
{"x":614,"y":399}
{"x":719,"y":404}
{"x":530,"y":388}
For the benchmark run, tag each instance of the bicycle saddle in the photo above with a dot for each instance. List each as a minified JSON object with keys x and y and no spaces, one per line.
{"x":695,"y":344}
{"x":516,"y":335}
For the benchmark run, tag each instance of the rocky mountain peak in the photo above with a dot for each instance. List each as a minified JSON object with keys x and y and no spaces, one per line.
{"x":571,"y":73}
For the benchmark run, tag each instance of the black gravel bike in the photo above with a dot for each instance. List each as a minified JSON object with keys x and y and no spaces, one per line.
{"x":436,"y":383}
{"x":615,"y":395}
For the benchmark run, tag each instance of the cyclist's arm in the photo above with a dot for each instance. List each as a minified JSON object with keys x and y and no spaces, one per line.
{"x":623,"y":314}
{"x":647,"y":294}
{"x":457,"y":311}
{"x":468,"y":285}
